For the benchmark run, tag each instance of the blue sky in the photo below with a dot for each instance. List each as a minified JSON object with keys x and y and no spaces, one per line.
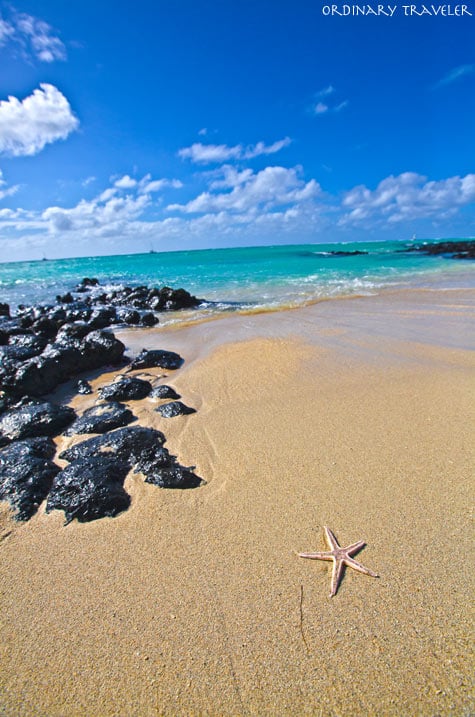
{"x":180,"y":124}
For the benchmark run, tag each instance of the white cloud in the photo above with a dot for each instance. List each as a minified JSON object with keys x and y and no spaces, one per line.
{"x":41,"y":118}
{"x":125,"y":182}
{"x":215,"y":153}
{"x":34,"y":36}
{"x":326,"y":104}
{"x":6,"y":191}
{"x":260,"y":148}
{"x":321,"y":108}
{"x":88,"y":181}
{"x":341,"y":106}
{"x":6,"y":31}
{"x":147,"y":185}
{"x":408,"y":196}
{"x":45,"y":46}
{"x":264,"y":190}
{"x":229,"y":177}
{"x":240,"y":206}
{"x":329,"y":90}
{"x":455,"y":74}
{"x":207,"y":153}
{"x":107,"y":213}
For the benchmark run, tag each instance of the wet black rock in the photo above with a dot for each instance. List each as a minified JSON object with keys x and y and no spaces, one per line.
{"x":356,"y":252}
{"x":102,"y":418}
{"x":126,"y":443}
{"x":46,"y":327}
{"x":65,"y":298}
{"x":128,"y":316}
{"x":86,"y":282}
{"x":63,"y":360}
{"x":5,"y":310}
{"x":173,"y":476}
{"x":164,"y":392}
{"x":126,"y":388}
{"x":26,"y":474}
{"x":174,"y":299}
{"x":174,"y":408}
{"x":73,"y":330}
{"x":21,"y":347}
{"x":148,"y":319}
{"x":101,"y":318}
{"x":33,"y":418}
{"x":83,"y":387}
{"x":143,"y":450}
{"x":157,"y":358}
{"x":89,"y":489}
{"x":453,"y":249}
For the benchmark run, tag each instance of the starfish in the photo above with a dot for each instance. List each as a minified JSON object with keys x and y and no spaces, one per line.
{"x":341,"y":557}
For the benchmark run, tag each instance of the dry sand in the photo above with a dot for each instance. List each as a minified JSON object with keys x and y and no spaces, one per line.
{"x":355,"y":414}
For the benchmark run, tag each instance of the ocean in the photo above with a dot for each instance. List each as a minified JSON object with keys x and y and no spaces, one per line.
{"x":244,"y":279}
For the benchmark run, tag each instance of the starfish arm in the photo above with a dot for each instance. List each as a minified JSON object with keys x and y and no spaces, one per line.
{"x":316,"y":556}
{"x":355,"y":547}
{"x":338,"y":567}
{"x":361,"y":568}
{"x":332,"y":541}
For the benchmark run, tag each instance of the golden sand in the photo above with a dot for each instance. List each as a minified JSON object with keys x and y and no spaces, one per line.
{"x":356,"y":415}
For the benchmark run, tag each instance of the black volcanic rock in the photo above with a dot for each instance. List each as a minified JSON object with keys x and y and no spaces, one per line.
{"x":143,"y":451}
{"x":63,"y":360}
{"x":455,"y":249}
{"x":164,"y":391}
{"x":172,"y":476}
{"x":148,"y":319}
{"x":126,"y":443}
{"x":83,"y":387}
{"x":5,"y":310}
{"x":101,"y":318}
{"x":157,"y":358}
{"x":26,"y":474}
{"x":356,"y":252}
{"x":102,"y":418}
{"x":21,"y":347}
{"x":34,"y":418}
{"x":90,"y":488}
{"x":128,"y":316}
{"x":126,"y":388}
{"x":174,"y":408}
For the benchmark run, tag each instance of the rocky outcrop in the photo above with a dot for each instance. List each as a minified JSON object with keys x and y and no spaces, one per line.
{"x":164,"y":391}
{"x":26,"y":474}
{"x":33,"y":418}
{"x":174,"y":408}
{"x":143,"y":450}
{"x":157,"y":359}
{"x":126,"y":388}
{"x":453,"y":249}
{"x":61,"y":360}
{"x":102,"y":418}
{"x":89,"y":489}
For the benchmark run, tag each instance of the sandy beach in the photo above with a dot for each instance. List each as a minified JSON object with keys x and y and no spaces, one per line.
{"x":355,"y":414}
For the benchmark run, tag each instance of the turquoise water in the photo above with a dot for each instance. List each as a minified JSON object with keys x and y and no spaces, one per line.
{"x":244,"y":278}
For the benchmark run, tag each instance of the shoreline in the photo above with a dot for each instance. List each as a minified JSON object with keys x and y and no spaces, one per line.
{"x":195,"y":602}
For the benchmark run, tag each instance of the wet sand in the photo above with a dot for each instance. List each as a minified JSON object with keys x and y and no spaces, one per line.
{"x":356,"y":414}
